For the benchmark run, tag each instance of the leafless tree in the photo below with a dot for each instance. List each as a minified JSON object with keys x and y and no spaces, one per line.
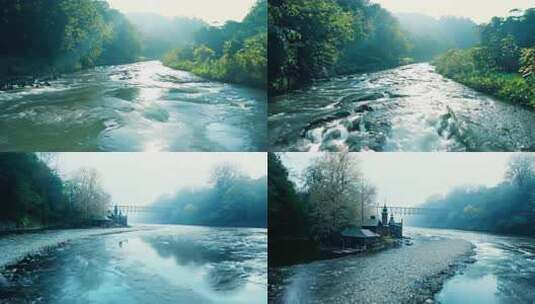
{"x":337,"y":190}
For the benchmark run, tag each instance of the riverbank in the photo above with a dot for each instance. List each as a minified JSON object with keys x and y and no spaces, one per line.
{"x":16,"y":247}
{"x":408,"y":274}
{"x":462,"y":66}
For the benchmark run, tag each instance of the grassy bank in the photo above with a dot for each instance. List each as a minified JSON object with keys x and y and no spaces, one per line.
{"x":246,"y":66}
{"x":462,"y":66}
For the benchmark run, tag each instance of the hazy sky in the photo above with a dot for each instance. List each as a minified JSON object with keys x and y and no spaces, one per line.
{"x":209,"y":10}
{"x":140,"y":178}
{"x":478,"y":10}
{"x":407,"y":179}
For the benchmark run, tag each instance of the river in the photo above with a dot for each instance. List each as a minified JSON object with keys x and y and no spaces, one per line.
{"x":503,"y":273}
{"x":142,"y":106}
{"x":409,"y":108}
{"x":161,"y":264}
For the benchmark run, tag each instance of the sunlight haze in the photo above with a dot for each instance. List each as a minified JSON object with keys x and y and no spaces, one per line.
{"x":140,"y":178}
{"x":481,"y":11}
{"x":408,"y":179}
{"x":211,"y":11}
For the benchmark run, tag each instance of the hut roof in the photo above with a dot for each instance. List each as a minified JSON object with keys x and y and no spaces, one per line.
{"x":359,"y":233}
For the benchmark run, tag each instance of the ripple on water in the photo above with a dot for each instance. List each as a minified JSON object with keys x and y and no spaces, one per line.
{"x":404,"y":105}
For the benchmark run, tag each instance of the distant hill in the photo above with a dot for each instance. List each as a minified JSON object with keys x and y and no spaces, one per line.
{"x":160,"y":33}
{"x":430,"y":36}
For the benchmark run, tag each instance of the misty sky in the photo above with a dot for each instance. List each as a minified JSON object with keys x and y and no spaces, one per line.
{"x":478,"y":10}
{"x":407,"y":179}
{"x":211,"y":11}
{"x":140,"y":178}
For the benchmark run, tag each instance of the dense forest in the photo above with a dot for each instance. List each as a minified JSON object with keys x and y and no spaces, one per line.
{"x":42,"y":36}
{"x":508,"y":207}
{"x":232,"y":199}
{"x":235,"y":52}
{"x":333,"y":196}
{"x":503,"y":64}
{"x":33,"y":195}
{"x":320,"y":38}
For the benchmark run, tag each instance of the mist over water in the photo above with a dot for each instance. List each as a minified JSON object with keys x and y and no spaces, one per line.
{"x":134,"y":107}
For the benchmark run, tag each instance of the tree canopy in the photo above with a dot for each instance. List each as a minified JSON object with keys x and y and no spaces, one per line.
{"x":63,"y":35}
{"x":233,"y":199}
{"x":34,"y":195}
{"x":235,"y":51}
{"x":508,"y":207}
{"x":502,"y":64}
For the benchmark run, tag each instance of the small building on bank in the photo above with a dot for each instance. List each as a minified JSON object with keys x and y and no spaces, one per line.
{"x":357,"y":237}
{"x":384,"y":226}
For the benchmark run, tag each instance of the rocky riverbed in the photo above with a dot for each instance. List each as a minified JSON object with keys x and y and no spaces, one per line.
{"x":16,"y":247}
{"x":407,"y":274}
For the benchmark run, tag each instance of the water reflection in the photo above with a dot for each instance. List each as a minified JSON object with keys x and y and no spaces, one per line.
{"x":173,"y":265}
{"x":135,"y":107}
{"x":504,"y":272}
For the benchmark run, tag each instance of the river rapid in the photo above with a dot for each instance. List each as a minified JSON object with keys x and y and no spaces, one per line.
{"x":166,"y":264}
{"x":410,"y":108}
{"x":142,"y":106}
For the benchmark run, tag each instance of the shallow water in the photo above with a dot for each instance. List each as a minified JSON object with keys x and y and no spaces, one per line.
{"x":409,"y":108}
{"x":504,"y":272}
{"x":168,"y":264}
{"x":143,"y":106}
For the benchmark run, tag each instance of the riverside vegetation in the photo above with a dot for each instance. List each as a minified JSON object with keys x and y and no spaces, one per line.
{"x":45,"y":38}
{"x":503,"y":64}
{"x":49,"y":37}
{"x":305,"y":219}
{"x":235,"y":52}
{"x":320,"y":38}
{"x":34,"y":195}
{"x":505,"y":208}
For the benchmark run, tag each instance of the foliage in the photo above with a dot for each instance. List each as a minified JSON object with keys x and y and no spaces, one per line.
{"x":30,"y":192}
{"x":504,"y":62}
{"x":233,"y":199}
{"x":64,"y":35}
{"x":332,"y":198}
{"x":314,"y":39}
{"x":85,"y":197}
{"x":508,"y":207}
{"x":235,"y":52}
{"x":286,"y":212}
{"x":33,"y":195}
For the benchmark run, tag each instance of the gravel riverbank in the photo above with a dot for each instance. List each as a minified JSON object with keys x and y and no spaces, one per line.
{"x":409,"y":274}
{"x":16,"y":247}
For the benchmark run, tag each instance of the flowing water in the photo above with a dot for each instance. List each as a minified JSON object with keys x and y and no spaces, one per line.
{"x":143,"y":106}
{"x":504,"y":271}
{"x":167,"y":264}
{"x":410,"y":108}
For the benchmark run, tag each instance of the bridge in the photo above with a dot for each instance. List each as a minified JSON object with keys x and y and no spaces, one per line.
{"x":410,"y":210}
{"x":132,"y":209}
